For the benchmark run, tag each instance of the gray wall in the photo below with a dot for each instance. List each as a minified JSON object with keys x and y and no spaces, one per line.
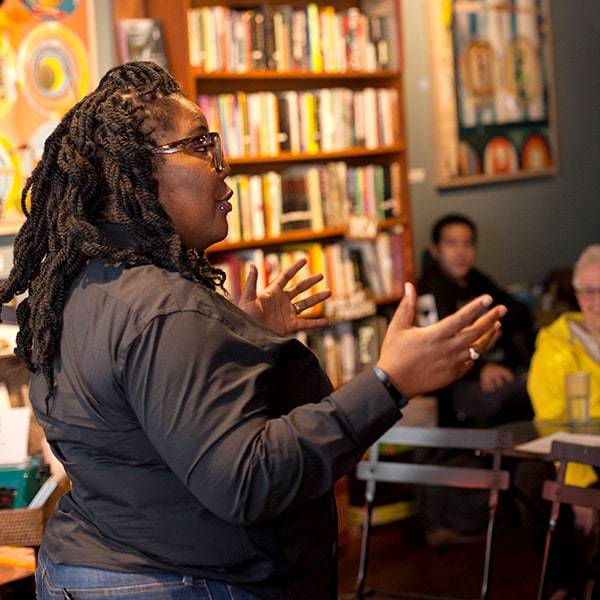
{"x":528,"y":226}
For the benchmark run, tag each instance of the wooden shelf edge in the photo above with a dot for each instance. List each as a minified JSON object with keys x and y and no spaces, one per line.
{"x":258,"y":75}
{"x":469,"y":180}
{"x":302,"y":235}
{"x":283,"y":157}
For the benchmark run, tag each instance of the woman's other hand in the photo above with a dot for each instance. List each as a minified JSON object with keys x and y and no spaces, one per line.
{"x":420,"y":360}
{"x":274,"y":306}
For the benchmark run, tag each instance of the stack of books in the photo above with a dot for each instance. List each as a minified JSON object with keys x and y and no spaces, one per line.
{"x":311,"y":197}
{"x":285,"y":38}
{"x":311,"y":121}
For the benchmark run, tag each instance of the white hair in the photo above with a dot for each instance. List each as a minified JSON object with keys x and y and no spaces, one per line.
{"x":590,"y":256}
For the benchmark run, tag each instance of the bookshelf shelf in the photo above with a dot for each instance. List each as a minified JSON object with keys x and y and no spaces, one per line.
{"x":267,"y":75}
{"x":288,"y":157}
{"x":298,"y":236}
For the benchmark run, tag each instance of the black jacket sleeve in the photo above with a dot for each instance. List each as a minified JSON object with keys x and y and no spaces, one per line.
{"x":202,"y":395}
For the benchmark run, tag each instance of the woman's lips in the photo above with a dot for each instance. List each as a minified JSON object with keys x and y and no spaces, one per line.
{"x":224,"y":203}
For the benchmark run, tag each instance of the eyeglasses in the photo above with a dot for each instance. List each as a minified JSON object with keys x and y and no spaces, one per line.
{"x":588,"y":292}
{"x":203,"y":143}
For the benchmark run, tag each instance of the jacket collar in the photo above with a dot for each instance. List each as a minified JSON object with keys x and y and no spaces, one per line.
{"x":117,"y":235}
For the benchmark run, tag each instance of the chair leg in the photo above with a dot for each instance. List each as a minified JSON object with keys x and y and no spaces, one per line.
{"x":487,"y":561}
{"x":551,"y":527}
{"x":364,"y":549}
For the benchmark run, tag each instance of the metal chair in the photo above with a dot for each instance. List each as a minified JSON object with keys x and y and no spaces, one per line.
{"x":558,"y":492}
{"x":493,"y":479}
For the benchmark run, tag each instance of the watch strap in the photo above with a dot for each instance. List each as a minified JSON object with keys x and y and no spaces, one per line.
{"x":397,"y":396}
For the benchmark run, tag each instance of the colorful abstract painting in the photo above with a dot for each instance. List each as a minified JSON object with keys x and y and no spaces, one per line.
{"x":44,"y":70}
{"x":493,"y":90}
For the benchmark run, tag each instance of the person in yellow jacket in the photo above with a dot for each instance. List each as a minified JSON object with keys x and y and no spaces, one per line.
{"x":571,"y":343}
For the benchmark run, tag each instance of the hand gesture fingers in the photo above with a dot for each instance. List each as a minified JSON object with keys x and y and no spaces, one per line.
{"x":311,"y":301}
{"x":424,"y":359}
{"x":463,"y":317}
{"x":305,"y":284}
{"x":486,"y":324}
{"x":311,"y":323}
{"x":487,"y":340}
{"x":273,"y":305}
{"x":286,"y":276}
{"x":404,"y":315}
{"x":249,"y":292}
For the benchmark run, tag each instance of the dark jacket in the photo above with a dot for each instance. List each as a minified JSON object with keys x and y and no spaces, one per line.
{"x":187,"y":431}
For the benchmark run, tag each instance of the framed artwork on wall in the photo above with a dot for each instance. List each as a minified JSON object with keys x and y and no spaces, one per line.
{"x":493,"y":90}
{"x":45,"y":68}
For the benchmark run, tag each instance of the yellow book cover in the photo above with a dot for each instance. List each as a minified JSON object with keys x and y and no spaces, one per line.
{"x":314,"y":38}
{"x":328,"y":39}
{"x":316,"y":261}
{"x":310,"y":107}
{"x":242,"y":123}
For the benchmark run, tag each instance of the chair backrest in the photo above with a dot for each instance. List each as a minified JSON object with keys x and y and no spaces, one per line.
{"x":557,"y":490}
{"x":489,"y":440}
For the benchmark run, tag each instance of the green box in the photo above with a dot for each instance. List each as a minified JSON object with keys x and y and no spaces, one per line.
{"x":25,"y":478}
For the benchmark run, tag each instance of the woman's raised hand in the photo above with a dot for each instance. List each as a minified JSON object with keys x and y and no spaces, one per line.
{"x":423,"y":359}
{"x":275,"y":305}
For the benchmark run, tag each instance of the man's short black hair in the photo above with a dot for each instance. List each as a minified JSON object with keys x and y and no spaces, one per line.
{"x":452,"y":219}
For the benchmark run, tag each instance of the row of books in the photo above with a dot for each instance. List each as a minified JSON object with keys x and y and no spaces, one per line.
{"x":348,"y":266}
{"x":345,"y":349}
{"x":311,"y":197}
{"x":285,"y":38}
{"x":312,"y":121}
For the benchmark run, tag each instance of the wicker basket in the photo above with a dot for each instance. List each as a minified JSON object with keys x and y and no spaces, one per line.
{"x":25,"y":526}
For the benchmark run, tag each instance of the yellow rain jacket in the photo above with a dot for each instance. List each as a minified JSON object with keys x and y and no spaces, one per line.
{"x":558,"y":352}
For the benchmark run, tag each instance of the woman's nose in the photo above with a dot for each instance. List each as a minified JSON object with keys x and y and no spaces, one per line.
{"x":226,"y":170}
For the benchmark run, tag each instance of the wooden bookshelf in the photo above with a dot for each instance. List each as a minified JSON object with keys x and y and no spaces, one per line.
{"x":198,"y":81}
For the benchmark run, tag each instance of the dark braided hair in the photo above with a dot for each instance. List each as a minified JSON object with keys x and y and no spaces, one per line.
{"x":96,"y":160}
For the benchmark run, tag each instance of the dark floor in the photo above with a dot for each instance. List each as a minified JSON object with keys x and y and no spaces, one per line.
{"x":401,"y":560}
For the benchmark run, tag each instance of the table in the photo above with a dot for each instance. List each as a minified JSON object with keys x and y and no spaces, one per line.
{"x":527,"y":431}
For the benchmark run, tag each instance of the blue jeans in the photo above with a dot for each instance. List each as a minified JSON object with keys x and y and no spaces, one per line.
{"x":70,"y":582}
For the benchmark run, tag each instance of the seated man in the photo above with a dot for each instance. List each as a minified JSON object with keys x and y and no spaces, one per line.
{"x":494,"y":391}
